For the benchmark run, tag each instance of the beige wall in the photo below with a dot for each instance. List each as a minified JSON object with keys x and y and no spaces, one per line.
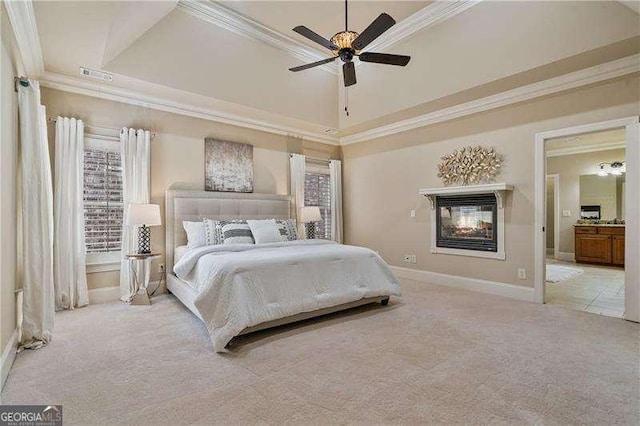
{"x":382,"y":177}
{"x":570,"y":167}
{"x":177,"y":151}
{"x":8,"y":189}
{"x":550,"y":213}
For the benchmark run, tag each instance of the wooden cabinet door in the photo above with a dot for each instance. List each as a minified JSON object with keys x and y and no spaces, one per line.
{"x":618,"y":249}
{"x":593,"y":248}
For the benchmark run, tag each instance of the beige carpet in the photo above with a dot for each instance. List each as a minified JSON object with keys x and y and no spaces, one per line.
{"x":435,"y":356}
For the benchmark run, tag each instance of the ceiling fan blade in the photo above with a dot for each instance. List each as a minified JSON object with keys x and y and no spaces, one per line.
{"x":306,"y":32}
{"x":385,"y":58}
{"x":349,"y":74}
{"x":381,"y":24}
{"x":313,"y":64}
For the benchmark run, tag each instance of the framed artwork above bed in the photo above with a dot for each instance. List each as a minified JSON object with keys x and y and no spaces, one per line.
{"x":228,"y":166}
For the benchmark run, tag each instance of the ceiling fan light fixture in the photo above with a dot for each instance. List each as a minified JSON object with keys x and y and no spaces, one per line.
{"x":344,"y":39}
{"x":602,"y":172}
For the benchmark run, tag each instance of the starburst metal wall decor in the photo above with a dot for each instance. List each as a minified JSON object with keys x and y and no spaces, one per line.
{"x":470,"y":165}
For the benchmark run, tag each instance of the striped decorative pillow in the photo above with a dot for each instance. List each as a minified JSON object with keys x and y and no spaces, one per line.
{"x":235,"y":232}
{"x":288,"y":229}
{"x":213,"y":232}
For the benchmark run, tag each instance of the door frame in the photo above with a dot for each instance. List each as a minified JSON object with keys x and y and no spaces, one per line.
{"x":632,"y":206}
{"x":556,"y":215}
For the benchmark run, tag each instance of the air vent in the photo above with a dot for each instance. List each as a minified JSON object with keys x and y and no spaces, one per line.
{"x":98,"y":75}
{"x":331,"y":131}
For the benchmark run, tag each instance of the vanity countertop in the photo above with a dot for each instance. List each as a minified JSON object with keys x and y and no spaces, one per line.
{"x":613,"y":225}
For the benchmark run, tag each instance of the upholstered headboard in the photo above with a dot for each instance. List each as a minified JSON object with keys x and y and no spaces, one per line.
{"x":191,"y":205}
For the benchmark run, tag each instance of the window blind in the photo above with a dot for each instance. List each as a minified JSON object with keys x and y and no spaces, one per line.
{"x":103,"y":207}
{"x":317,"y":192}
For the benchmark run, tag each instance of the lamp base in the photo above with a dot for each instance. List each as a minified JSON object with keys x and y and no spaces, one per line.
{"x":144,"y":240}
{"x":311,"y":230}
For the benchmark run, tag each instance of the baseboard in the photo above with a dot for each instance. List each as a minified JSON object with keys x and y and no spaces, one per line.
{"x":8,"y":356}
{"x":112,"y":294}
{"x":491,"y":287}
{"x":567,"y":257}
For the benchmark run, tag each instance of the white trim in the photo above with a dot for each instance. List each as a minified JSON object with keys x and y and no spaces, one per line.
{"x":8,"y":356}
{"x":112,"y":294}
{"x":540,"y":201}
{"x":431,"y":15}
{"x":595,"y":74}
{"x":632,"y":224}
{"x":103,"y":91}
{"x":23,"y":22}
{"x":482,"y":286}
{"x":585,"y":149}
{"x":565,"y":256}
{"x":230,"y":20}
{"x":96,"y":267}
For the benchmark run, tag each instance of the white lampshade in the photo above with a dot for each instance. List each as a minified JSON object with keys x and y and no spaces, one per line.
{"x":310,"y":214}
{"x":143,"y":214}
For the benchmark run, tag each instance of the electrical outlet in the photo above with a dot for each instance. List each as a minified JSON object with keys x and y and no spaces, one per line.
{"x":412,"y":213}
{"x":413,"y":258}
{"x":161,"y":268}
{"x":407,"y":258}
{"x":522,"y":273}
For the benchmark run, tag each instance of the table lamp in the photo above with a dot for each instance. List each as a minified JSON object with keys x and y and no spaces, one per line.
{"x":145,"y":215}
{"x":310,"y":215}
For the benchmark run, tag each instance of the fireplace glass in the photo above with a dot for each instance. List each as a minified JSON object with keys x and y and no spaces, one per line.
{"x":467,"y":222}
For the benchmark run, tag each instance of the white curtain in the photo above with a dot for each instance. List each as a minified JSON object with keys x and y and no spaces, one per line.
{"x":135,"y":156}
{"x":69,"y":269}
{"x":335,"y":178}
{"x":37,"y":220}
{"x":298,"y":166}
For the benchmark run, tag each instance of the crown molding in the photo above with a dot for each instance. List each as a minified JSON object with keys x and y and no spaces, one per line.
{"x":104,"y":91}
{"x":23,"y":22}
{"x":571,"y":150}
{"x":429,"y":16}
{"x":237,"y":23}
{"x":598,"y":73}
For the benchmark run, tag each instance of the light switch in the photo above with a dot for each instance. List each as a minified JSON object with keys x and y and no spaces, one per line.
{"x":412,"y":213}
{"x":566,"y":213}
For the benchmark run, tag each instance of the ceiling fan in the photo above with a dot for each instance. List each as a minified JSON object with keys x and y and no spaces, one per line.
{"x":347,"y":44}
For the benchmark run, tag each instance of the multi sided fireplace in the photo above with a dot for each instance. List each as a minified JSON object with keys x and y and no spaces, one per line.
{"x":467,"y":222}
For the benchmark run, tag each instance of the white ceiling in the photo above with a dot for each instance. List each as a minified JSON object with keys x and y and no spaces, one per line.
{"x":587,"y":141}
{"x":157,"y":48}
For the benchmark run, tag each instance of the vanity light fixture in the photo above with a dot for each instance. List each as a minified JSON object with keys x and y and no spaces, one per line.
{"x":616,"y":168}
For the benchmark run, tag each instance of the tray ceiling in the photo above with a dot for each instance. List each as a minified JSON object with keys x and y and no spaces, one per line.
{"x":164,"y":49}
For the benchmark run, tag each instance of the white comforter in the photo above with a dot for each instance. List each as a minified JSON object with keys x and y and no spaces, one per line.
{"x":241,"y":285}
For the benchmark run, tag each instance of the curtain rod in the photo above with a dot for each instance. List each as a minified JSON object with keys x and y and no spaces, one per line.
{"x":314,"y":159}
{"x":53,"y":120}
{"x":23,"y":81}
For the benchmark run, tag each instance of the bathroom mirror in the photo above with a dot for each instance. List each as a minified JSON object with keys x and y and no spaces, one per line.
{"x":602,"y":197}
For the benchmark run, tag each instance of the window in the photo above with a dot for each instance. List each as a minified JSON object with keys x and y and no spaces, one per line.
{"x":103,"y":206}
{"x":317,"y":192}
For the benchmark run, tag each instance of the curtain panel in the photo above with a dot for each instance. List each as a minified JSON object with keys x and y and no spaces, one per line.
{"x":297,"y":163}
{"x":69,"y":259}
{"x":335,"y":177}
{"x":135,"y":156}
{"x":37,"y":220}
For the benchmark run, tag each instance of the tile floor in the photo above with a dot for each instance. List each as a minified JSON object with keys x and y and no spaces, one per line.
{"x":599,"y":289}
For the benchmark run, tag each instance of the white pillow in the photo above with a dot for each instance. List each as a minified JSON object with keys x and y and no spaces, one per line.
{"x":195,"y":234}
{"x":265,"y":231}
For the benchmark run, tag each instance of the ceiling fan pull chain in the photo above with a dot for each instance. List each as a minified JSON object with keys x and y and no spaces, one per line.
{"x":346,"y":101}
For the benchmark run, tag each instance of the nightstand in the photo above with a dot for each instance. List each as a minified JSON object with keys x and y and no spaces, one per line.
{"x":141,"y":296}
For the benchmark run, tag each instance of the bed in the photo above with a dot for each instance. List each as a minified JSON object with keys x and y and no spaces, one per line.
{"x":240,"y":288}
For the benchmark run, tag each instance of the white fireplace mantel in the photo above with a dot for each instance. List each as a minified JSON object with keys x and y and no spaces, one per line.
{"x":498,"y":189}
